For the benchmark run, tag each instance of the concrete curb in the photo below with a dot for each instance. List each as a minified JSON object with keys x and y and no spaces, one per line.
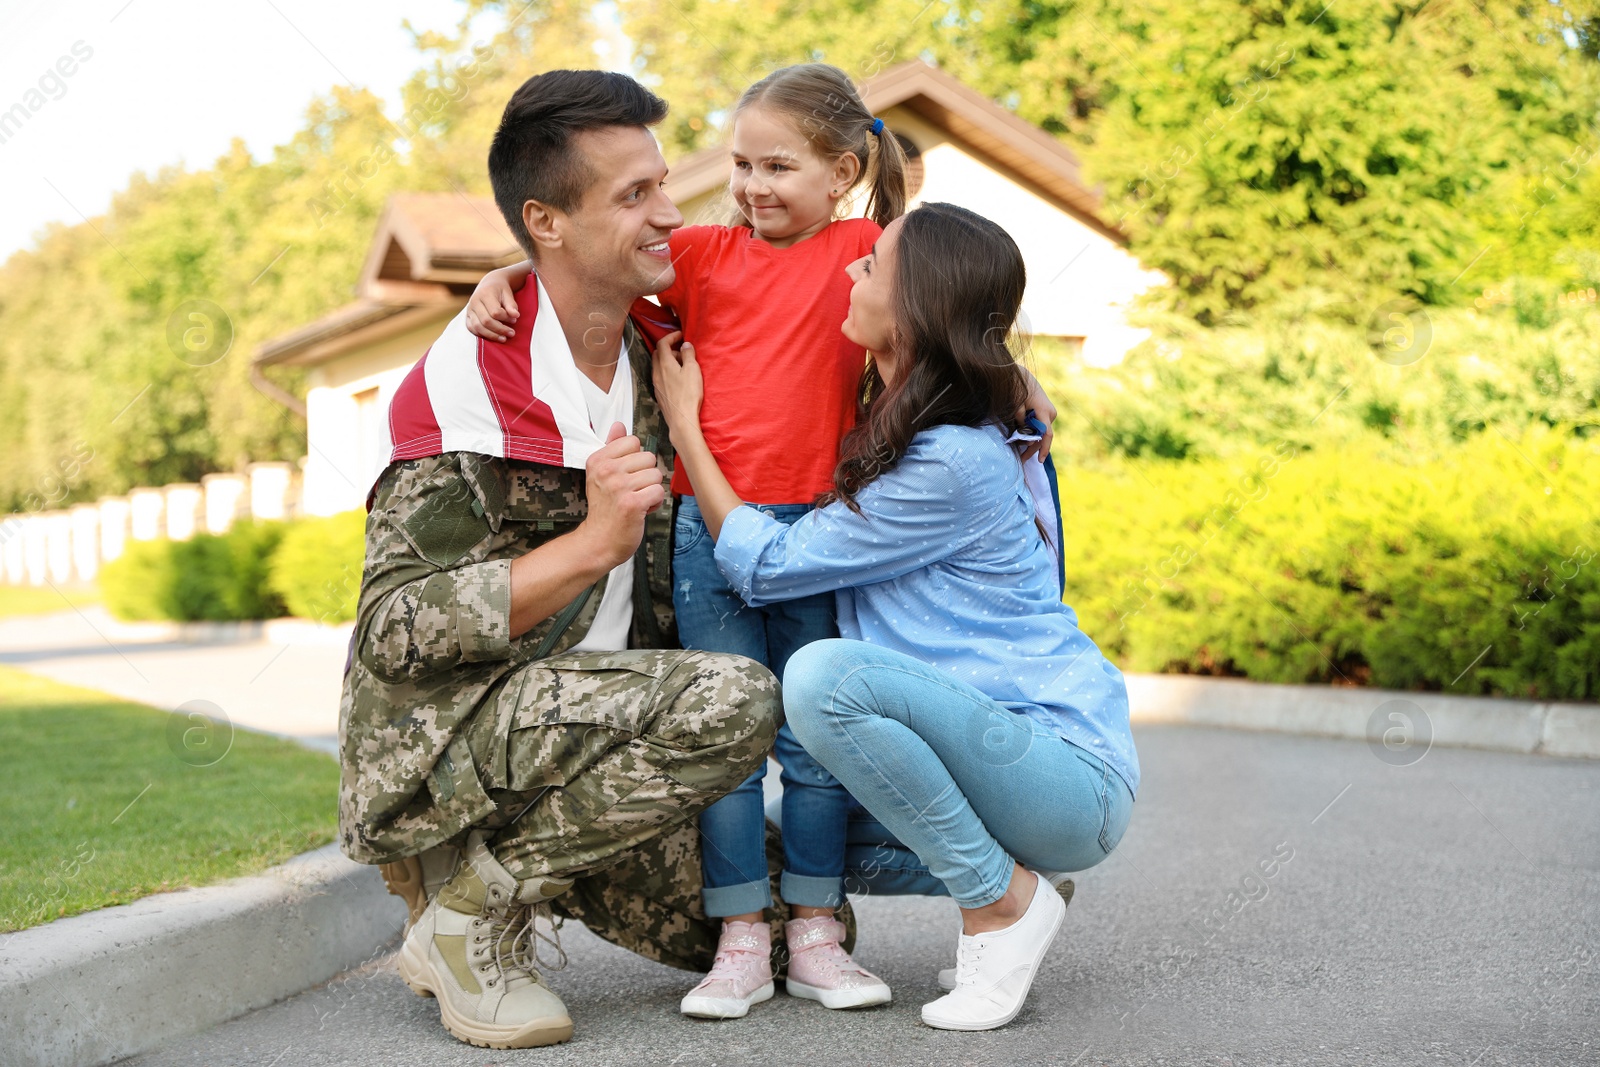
{"x":1495,"y":723}
{"x":112,"y":983}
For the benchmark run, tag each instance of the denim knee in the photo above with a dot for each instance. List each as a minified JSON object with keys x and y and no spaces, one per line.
{"x":809,"y":683}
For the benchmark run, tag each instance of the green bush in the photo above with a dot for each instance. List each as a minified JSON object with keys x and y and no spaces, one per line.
{"x":1476,"y":572}
{"x":139,"y":583}
{"x":208,"y":577}
{"x":317,"y":568}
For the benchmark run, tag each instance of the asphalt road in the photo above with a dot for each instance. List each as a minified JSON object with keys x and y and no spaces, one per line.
{"x":1277,"y":900}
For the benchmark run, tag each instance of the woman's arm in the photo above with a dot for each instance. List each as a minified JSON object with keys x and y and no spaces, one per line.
{"x":679,"y":391}
{"x":929,"y":507}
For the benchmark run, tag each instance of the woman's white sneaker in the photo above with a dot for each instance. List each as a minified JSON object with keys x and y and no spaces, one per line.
{"x":995,"y":970}
{"x":1064,"y":888}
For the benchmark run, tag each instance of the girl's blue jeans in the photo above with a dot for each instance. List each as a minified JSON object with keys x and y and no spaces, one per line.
{"x":964,"y":783}
{"x":713,"y":618}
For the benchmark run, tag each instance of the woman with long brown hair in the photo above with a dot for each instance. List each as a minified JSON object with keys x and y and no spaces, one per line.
{"x":962,"y":705}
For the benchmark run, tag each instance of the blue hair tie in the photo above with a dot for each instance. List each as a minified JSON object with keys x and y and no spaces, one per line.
{"x":877,"y":127}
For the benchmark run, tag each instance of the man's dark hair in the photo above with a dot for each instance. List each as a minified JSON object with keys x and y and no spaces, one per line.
{"x":533,"y":157}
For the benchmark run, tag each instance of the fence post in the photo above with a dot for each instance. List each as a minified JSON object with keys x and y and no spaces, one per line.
{"x":147,"y":510}
{"x":183,"y":510}
{"x":58,"y":545}
{"x":269,"y":490}
{"x":113,"y":527}
{"x":85,"y":519}
{"x":226,"y":500}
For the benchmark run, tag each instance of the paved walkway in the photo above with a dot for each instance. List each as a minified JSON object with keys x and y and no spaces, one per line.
{"x":1277,"y":900}
{"x":283,"y":687}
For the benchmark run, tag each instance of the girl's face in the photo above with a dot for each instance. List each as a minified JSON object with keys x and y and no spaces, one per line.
{"x":870,"y":323}
{"x":783,"y":187}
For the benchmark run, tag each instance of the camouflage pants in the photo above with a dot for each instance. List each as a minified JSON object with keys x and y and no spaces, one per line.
{"x":599,"y":762}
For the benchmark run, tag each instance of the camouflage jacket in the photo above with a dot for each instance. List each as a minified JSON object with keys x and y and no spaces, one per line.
{"x":432,"y":642}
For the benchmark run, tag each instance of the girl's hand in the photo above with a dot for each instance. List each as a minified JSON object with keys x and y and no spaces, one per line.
{"x":1040,"y":405}
{"x":493,"y":307}
{"x":679,"y":386}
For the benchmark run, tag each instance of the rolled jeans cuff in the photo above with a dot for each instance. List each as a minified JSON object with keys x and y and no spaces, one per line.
{"x":725,"y":900}
{"x":809,"y":891}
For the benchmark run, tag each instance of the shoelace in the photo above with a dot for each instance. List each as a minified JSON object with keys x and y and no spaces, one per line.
{"x":968,"y":953}
{"x":833,"y":954}
{"x":519,"y":957}
{"x":733,"y":962}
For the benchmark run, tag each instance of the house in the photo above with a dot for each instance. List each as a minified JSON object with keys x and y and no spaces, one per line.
{"x":432,"y":248}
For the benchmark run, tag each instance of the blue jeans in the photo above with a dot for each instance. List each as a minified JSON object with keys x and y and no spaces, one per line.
{"x":964,"y":783}
{"x":876,"y":863}
{"x":713,"y":618}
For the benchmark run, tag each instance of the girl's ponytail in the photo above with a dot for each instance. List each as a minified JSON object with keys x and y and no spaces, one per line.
{"x":825,"y":107}
{"x":886,"y":175}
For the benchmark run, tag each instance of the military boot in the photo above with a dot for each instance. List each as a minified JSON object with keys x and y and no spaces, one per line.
{"x":472,"y":947}
{"x":418,"y":879}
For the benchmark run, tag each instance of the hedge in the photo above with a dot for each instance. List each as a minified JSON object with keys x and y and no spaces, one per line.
{"x":257,"y":570}
{"x":1475,"y":572}
{"x":317,"y":568}
{"x":209,"y":576}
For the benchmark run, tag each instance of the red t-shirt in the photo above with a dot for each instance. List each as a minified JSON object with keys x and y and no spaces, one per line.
{"x":781,"y":380}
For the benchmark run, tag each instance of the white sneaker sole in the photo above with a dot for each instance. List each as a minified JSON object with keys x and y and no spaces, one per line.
{"x":972,"y":1025}
{"x":724,"y":1007}
{"x":840,"y":999}
{"x":417,"y":973}
{"x":947,"y":977}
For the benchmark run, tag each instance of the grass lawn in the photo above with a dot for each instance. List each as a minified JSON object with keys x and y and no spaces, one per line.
{"x":104,"y":804}
{"x":43,"y":600}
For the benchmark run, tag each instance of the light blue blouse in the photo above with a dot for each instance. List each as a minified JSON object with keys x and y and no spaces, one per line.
{"x":946,"y":565}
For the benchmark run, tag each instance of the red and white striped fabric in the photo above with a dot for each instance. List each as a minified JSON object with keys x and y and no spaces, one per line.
{"x":520,"y":399}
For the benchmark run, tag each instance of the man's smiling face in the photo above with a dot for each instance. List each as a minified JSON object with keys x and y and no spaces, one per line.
{"x":617,"y":235}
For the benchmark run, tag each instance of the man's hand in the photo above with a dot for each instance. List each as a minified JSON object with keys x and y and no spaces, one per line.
{"x":624,"y":486}
{"x":1040,"y":405}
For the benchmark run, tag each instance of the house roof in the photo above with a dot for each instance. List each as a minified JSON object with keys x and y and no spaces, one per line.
{"x":432,"y":248}
{"x":429,"y":251}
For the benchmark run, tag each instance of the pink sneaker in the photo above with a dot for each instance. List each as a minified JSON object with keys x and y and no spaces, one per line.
{"x":821,"y":970}
{"x":740,"y":977}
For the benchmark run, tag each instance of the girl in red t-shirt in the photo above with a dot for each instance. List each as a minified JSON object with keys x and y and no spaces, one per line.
{"x":761,"y":302}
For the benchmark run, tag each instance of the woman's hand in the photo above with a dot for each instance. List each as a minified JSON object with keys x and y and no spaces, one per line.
{"x":1040,"y":405}
{"x":679,"y":387}
{"x":493,"y":307}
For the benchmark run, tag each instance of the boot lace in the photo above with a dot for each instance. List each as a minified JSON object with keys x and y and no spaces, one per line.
{"x":517,"y":937}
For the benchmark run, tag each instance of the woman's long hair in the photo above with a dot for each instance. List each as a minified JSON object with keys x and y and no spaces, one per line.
{"x":957,"y":288}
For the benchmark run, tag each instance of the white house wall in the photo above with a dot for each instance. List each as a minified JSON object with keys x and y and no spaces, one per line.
{"x":340,"y":465}
{"x":1079,"y":280}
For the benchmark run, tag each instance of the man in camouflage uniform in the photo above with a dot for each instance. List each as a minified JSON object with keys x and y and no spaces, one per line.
{"x":492,"y":770}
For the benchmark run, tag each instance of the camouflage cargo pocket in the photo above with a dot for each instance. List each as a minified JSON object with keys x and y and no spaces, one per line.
{"x":563,"y":718}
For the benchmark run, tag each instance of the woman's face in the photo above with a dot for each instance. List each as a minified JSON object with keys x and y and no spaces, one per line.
{"x":870,"y":323}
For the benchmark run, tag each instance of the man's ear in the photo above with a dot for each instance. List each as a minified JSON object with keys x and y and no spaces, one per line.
{"x":545,"y":225}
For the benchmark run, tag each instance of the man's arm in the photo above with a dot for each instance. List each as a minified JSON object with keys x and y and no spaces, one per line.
{"x":421,"y":614}
{"x":624,"y":485}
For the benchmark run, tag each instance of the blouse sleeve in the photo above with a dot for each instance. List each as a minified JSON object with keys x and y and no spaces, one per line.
{"x":922,"y":511}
